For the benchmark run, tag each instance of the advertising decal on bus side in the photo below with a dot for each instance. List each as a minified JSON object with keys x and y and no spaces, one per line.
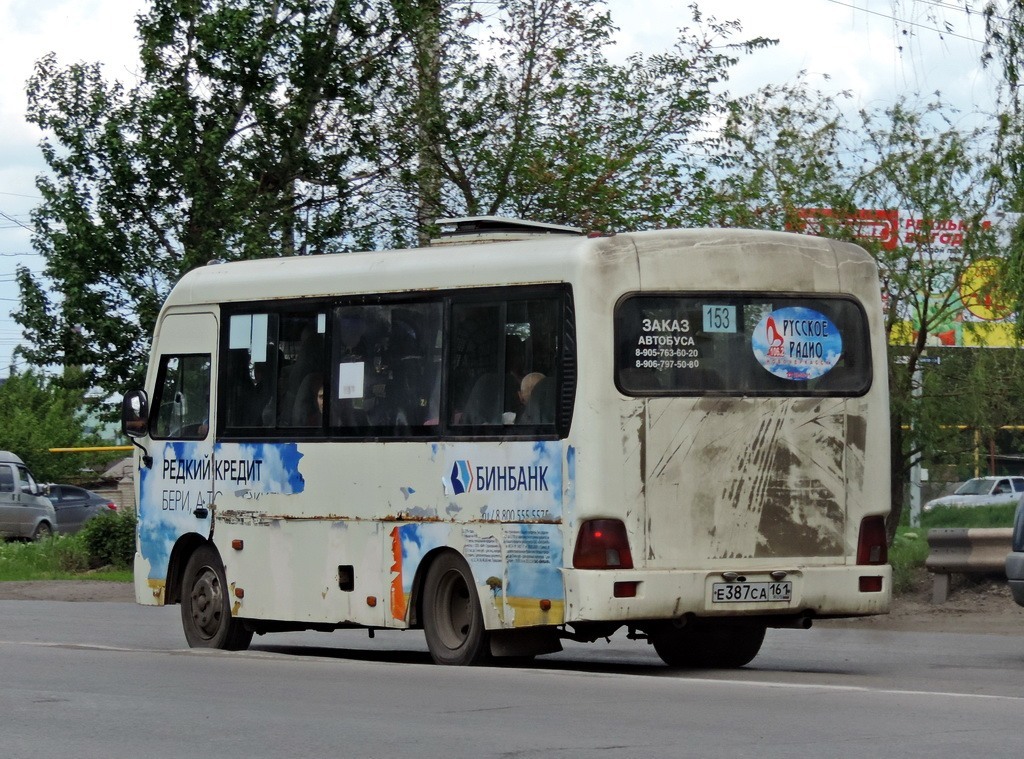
{"x":513,"y":482}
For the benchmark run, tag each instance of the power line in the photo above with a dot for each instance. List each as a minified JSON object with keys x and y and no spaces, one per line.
{"x":958,"y":8}
{"x":15,"y":221}
{"x":890,"y":17}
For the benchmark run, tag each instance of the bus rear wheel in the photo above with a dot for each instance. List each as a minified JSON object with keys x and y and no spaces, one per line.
{"x":206,"y":607}
{"x":452,"y":619}
{"x":708,"y":645}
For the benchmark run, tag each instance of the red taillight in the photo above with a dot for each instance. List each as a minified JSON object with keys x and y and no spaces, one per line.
{"x":872,"y":544}
{"x":602,"y":544}
{"x":111,"y":505}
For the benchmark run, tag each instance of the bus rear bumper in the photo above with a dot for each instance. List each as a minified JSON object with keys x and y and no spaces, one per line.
{"x":842,"y":591}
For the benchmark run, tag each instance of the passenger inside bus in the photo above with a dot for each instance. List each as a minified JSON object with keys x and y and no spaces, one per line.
{"x":538,"y":399}
{"x":309,"y":405}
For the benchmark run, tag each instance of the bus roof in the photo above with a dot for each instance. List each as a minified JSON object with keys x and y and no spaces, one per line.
{"x":538,"y":259}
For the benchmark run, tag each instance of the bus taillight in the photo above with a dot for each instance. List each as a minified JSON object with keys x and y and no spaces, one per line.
{"x":872,"y":545}
{"x":602,"y":544}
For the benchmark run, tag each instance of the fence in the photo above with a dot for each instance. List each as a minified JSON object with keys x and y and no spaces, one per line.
{"x":965,"y":550}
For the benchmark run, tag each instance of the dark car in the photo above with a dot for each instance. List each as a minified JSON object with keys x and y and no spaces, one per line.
{"x":75,"y":506}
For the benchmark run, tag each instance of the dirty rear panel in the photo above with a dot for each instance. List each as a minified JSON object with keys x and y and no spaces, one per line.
{"x":732,"y":479}
{"x":753,"y":439}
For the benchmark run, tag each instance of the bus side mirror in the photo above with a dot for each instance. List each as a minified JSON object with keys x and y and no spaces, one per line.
{"x":135,"y":413}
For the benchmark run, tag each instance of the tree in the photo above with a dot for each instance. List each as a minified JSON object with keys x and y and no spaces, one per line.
{"x":1004,"y":36}
{"x":521,"y":113}
{"x":40,"y":414}
{"x":781,"y":150}
{"x":238,"y":142}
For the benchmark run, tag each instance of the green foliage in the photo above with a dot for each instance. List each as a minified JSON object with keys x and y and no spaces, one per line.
{"x":71,"y":554}
{"x":783,"y":148}
{"x":240,"y":141}
{"x":908,"y":552}
{"x":63,"y":557}
{"x":539,"y":123}
{"x":38,"y":414}
{"x":1004,"y":41}
{"x":109,"y":539}
{"x":29,"y":561}
{"x":268,"y":127}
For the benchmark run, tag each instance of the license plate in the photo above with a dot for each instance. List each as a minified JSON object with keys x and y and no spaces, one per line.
{"x":751,"y":592}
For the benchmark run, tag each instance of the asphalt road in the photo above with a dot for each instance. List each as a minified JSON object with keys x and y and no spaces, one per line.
{"x":114,"y":679}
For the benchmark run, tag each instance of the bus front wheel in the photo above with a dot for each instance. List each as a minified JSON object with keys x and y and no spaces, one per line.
{"x":206,"y":607}
{"x":452,"y":619}
{"x":708,"y":645}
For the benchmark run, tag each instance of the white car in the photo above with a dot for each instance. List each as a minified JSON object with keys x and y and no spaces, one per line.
{"x":982,"y":491}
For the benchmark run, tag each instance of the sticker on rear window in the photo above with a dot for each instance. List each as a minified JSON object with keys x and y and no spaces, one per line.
{"x":797,"y":343}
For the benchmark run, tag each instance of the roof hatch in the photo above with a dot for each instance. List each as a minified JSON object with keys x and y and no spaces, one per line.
{"x":471,"y":229}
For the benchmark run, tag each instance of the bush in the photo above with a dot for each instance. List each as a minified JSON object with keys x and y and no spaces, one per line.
{"x":109,"y":540}
{"x":70,"y":554}
{"x":908,"y":551}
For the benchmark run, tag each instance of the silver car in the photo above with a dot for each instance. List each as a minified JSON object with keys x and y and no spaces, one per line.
{"x":982,"y":491}
{"x":25,"y":511}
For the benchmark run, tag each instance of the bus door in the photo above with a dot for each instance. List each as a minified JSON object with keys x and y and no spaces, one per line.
{"x":176,"y":490}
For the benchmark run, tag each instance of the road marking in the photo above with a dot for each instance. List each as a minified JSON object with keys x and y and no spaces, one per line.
{"x":257,"y":654}
{"x":851,"y":689}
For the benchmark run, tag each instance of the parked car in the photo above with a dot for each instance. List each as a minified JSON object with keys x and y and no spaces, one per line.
{"x":1015,"y":559}
{"x":75,"y":506}
{"x":982,"y":491}
{"x":24,"y":510}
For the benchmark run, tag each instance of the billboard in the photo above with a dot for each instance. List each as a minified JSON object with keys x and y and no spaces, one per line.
{"x":971,"y":311}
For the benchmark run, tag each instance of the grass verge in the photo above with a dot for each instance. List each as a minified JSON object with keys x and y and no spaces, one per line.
{"x":55,"y":559}
{"x":103,"y":550}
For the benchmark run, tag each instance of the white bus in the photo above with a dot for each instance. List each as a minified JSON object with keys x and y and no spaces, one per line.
{"x":537,"y":436}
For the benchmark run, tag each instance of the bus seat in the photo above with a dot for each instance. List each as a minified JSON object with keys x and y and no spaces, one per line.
{"x":484,"y":405}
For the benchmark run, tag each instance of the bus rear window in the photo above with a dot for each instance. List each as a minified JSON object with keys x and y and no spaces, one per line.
{"x":728,"y":344}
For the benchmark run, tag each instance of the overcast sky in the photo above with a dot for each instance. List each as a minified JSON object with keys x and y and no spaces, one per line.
{"x":855,"y":43}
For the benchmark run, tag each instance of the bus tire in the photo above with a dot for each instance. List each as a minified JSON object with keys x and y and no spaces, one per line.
{"x":206,"y":607}
{"x":452,"y":619}
{"x":709,"y":645}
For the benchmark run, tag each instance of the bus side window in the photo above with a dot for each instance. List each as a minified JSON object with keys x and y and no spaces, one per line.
{"x":476,"y":364}
{"x":504,"y":363}
{"x":302,"y":346}
{"x":385,"y":364}
{"x":183,"y":398}
{"x":413,"y":360}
